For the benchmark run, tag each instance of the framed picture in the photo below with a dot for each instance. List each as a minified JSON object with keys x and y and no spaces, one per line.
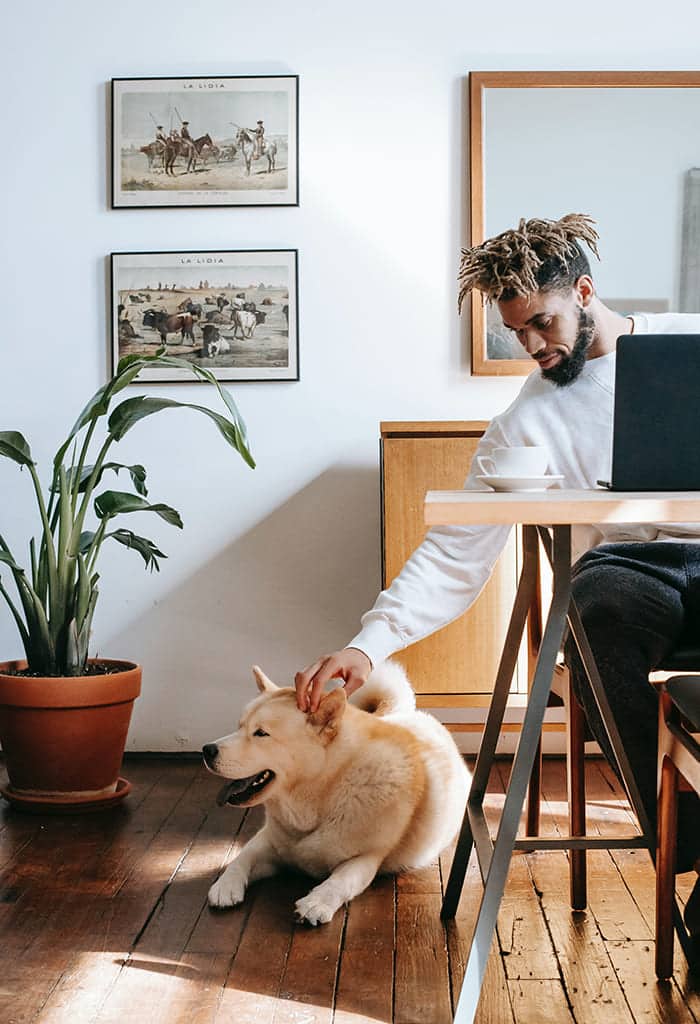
{"x":235,"y":312}
{"x":205,"y":141}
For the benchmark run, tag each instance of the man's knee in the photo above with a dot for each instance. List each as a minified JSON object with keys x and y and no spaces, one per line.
{"x":604,"y":593}
{"x":626,"y":613}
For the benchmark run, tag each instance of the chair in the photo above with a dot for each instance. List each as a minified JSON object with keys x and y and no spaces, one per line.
{"x":685,"y":659}
{"x":679,"y":768}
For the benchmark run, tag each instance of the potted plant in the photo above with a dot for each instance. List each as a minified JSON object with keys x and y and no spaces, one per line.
{"x":64,"y":716}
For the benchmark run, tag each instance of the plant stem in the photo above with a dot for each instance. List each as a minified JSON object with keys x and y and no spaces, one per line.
{"x":23,"y":632}
{"x":66,"y":560}
{"x":27,"y":594}
{"x":81,"y":463}
{"x":94,"y":548}
{"x":90,"y":486}
{"x":50,"y":550}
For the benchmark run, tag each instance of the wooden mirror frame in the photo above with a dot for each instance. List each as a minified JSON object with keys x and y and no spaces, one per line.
{"x":478,"y":82}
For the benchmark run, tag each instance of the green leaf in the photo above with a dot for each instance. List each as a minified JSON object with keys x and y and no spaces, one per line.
{"x":82,"y":593}
{"x":129,"y":367}
{"x":85,"y":540}
{"x":65,"y":523}
{"x":206,"y":375}
{"x":28,"y":595}
{"x":9,"y":560}
{"x":97,"y":406}
{"x":40,"y":635}
{"x":138,"y":477}
{"x":146,"y":548}
{"x":126,"y":415}
{"x":113,"y":503}
{"x":73,"y":665}
{"x":23,"y":631}
{"x":84,"y":631}
{"x":136,"y":472}
{"x":13,"y":446}
{"x":126,"y":361}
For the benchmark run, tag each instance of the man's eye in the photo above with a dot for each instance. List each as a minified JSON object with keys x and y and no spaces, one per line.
{"x":260,"y":732}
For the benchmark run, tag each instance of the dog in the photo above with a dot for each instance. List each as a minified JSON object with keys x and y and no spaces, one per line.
{"x":352,"y":790}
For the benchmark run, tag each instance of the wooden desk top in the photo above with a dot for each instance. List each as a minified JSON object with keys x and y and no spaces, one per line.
{"x":448,"y":508}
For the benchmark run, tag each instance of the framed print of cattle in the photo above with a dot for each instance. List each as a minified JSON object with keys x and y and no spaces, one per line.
{"x":234,"y":312}
{"x":205,"y":141}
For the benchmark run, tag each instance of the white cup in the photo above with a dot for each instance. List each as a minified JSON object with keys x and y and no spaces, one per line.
{"x":524,"y":461}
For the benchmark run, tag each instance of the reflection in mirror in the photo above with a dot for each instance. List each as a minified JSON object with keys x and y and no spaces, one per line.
{"x":627,"y":156}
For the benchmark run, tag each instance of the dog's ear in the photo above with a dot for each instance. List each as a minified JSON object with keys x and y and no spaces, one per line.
{"x":265,"y":685}
{"x":326,"y":718}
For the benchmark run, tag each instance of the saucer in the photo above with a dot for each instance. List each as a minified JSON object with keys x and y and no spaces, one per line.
{"x":520,"y":483}
{"x":57,"y":804}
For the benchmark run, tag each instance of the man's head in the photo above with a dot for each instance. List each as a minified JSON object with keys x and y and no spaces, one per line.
{"x":540,"y":277}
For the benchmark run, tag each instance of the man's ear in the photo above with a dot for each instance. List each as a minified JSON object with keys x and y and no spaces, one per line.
{"x":326,"y":718}
{"x":585,"y":289}
{"x":265,"y":685}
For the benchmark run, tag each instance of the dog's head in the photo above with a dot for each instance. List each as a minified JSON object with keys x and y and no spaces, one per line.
{"x":276,"y":746}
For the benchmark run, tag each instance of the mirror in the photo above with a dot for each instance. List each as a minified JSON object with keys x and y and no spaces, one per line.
{"x":623,"y":147}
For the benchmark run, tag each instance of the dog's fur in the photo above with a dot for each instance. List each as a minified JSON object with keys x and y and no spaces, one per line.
{"x":358,"y":788}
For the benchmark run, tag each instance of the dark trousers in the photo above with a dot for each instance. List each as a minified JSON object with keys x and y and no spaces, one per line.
{"x":638,"y":602}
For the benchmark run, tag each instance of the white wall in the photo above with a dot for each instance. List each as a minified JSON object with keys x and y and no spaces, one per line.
{"x":274,"y":566}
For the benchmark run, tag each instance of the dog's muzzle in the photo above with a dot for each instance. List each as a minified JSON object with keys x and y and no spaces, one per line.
{"x":239,"y":791}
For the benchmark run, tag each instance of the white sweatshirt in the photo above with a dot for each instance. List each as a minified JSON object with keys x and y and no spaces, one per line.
{"x":446,"y":573}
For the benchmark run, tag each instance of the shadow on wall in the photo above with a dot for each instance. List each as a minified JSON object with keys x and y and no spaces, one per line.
{"x":290,"y":589}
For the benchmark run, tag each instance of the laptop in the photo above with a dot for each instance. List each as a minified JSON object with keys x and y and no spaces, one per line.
{"x":656,"y":424}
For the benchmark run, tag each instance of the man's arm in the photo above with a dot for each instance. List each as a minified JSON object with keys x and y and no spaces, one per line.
{"x":438,"y":583}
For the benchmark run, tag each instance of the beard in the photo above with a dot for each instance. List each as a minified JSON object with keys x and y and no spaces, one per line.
{"x":569,"y":367}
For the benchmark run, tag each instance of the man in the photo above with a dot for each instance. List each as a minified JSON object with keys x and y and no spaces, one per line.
{"x":637,"y":587}
{"x":185,"y":132}
{"x":161,"y":137}
{"x":259,"y":136}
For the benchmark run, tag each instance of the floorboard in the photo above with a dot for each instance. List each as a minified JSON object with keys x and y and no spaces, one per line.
{"x":103,"y":915}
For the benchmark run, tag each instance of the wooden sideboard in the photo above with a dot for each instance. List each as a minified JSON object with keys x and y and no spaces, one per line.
{"x":457,"y":665}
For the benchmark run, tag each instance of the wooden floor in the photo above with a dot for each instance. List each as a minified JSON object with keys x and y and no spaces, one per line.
{"x":103,"y":919}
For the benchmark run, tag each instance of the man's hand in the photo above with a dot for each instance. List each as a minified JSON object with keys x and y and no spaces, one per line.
{"x":351,"y":665}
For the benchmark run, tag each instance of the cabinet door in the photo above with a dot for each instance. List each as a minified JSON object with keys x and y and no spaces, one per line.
{"x":461,"y":658}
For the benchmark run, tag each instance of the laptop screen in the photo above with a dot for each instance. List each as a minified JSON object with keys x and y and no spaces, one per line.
{"x":656,"y":428}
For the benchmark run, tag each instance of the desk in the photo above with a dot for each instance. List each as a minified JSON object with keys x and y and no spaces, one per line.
{"x":549,"y":516}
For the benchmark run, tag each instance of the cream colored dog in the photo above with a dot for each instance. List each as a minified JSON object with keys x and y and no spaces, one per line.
{"x":351,"y":790}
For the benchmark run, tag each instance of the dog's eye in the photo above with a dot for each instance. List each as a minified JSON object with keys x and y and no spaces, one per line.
{"x":260,"y":732}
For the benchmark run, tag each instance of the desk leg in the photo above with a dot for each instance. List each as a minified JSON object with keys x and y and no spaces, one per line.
{"x":518,"y":782}
{"x":487,"y":748}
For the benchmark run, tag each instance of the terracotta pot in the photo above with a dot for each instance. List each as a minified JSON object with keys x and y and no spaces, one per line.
{"x":63,"y":738}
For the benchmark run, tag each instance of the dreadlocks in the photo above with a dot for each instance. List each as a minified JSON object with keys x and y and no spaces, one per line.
{"x":539,"y":255}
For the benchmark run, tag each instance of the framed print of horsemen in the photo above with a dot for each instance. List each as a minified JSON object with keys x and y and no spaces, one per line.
{"x":234,"y":312}
{"x":205,"y":141}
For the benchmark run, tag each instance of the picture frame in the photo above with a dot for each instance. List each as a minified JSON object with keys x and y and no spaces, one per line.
{"x":590,"y":106}
{"x":233,"y":311}
{"x":200,"y":141}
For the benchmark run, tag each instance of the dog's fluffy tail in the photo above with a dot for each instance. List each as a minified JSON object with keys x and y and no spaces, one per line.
{"x":386,"y":692}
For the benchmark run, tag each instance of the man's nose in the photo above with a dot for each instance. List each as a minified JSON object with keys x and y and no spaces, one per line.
{"x":532,"y":343}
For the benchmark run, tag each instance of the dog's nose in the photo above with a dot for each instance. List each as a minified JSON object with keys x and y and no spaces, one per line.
{"x":210,"y":751}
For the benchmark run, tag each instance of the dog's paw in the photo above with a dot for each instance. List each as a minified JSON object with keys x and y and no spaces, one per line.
{"x":312,"y":909}
{"x":227,"y":891}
